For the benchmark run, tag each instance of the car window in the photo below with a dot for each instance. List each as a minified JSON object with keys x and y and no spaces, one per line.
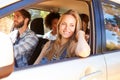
{"x":112,"y":26}
{"x":37,"y":13}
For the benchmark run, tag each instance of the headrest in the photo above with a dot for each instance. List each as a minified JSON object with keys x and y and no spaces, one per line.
{"x":37,"y":26}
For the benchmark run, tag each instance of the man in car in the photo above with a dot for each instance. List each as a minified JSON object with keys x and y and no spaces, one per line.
{"x":26,"y":40}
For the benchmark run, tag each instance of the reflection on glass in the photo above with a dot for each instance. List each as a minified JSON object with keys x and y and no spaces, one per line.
{"x":112,"y":26}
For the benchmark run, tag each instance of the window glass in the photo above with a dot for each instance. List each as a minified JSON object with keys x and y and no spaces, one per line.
{"x":112,"y":26}
{"x":35,"y":13}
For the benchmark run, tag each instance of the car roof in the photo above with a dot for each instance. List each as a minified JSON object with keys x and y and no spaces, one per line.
{"x":10,"y":8}
{"x":48,"y":5}
{"x":60,"y":5}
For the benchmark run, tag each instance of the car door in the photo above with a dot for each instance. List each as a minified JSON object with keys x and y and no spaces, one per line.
{"x":92,"y":68}
{"x":111,"y":39}
{"x":113,"y":65}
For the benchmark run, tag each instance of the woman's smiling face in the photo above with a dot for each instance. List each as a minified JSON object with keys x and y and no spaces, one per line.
{"x":67,"y":26}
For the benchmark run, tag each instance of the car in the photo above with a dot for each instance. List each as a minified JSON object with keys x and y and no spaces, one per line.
{"x":104,"y":24}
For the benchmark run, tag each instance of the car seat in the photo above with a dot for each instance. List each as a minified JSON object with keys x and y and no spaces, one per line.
{"x":38,"y":28}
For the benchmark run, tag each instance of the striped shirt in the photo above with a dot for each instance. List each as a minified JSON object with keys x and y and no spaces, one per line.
{"x":24,"y":47}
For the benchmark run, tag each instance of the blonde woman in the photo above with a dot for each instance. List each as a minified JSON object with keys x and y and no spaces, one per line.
{"x":70,"y":40}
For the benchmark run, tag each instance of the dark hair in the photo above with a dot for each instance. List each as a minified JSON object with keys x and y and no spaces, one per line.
{"x":84,"y":18}
{"x":25,"y":14}
{"x":50,"y":17}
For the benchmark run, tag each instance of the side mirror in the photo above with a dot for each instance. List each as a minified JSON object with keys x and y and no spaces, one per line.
{"x":6,"y":56}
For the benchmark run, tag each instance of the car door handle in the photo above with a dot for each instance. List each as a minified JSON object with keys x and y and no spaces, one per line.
{"x":91,"y":75}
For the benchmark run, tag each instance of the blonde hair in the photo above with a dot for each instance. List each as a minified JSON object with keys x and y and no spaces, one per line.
{"x":77,"y":18}
{"x":55,"y":47}
{"x":6,"y":24}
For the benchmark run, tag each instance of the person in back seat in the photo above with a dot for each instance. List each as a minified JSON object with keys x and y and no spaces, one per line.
{"x":51,"y":23}
{"x":70,"y":40}
{"x":26,"y":40}
{"x":85,"y":20}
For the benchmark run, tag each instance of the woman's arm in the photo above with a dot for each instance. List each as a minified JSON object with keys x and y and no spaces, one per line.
{"x":42,"y":54}
{"x":82,"y":48}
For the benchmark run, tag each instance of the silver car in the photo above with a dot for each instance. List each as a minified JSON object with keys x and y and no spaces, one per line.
{"x":104,"y":41}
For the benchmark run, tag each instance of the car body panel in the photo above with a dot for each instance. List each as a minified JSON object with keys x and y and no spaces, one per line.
{"x":113,"y":65}
{"x":16,"y":6}
{"x":75,"y":69}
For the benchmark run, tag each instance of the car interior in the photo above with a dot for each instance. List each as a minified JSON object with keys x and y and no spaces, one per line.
{"x":56,"y":6}
{"x":40,"y":10}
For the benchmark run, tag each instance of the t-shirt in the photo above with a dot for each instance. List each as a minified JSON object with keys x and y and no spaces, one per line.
{"x":50,"y":36}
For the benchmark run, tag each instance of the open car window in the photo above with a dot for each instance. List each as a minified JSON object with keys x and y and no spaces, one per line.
{"x":42,"y":9}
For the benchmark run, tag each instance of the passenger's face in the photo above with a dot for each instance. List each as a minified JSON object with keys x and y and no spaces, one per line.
{"x":18,"y":20}
{"x":67,"y":26}
{"x":84,"y":25}
{"x":54,"y":25}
